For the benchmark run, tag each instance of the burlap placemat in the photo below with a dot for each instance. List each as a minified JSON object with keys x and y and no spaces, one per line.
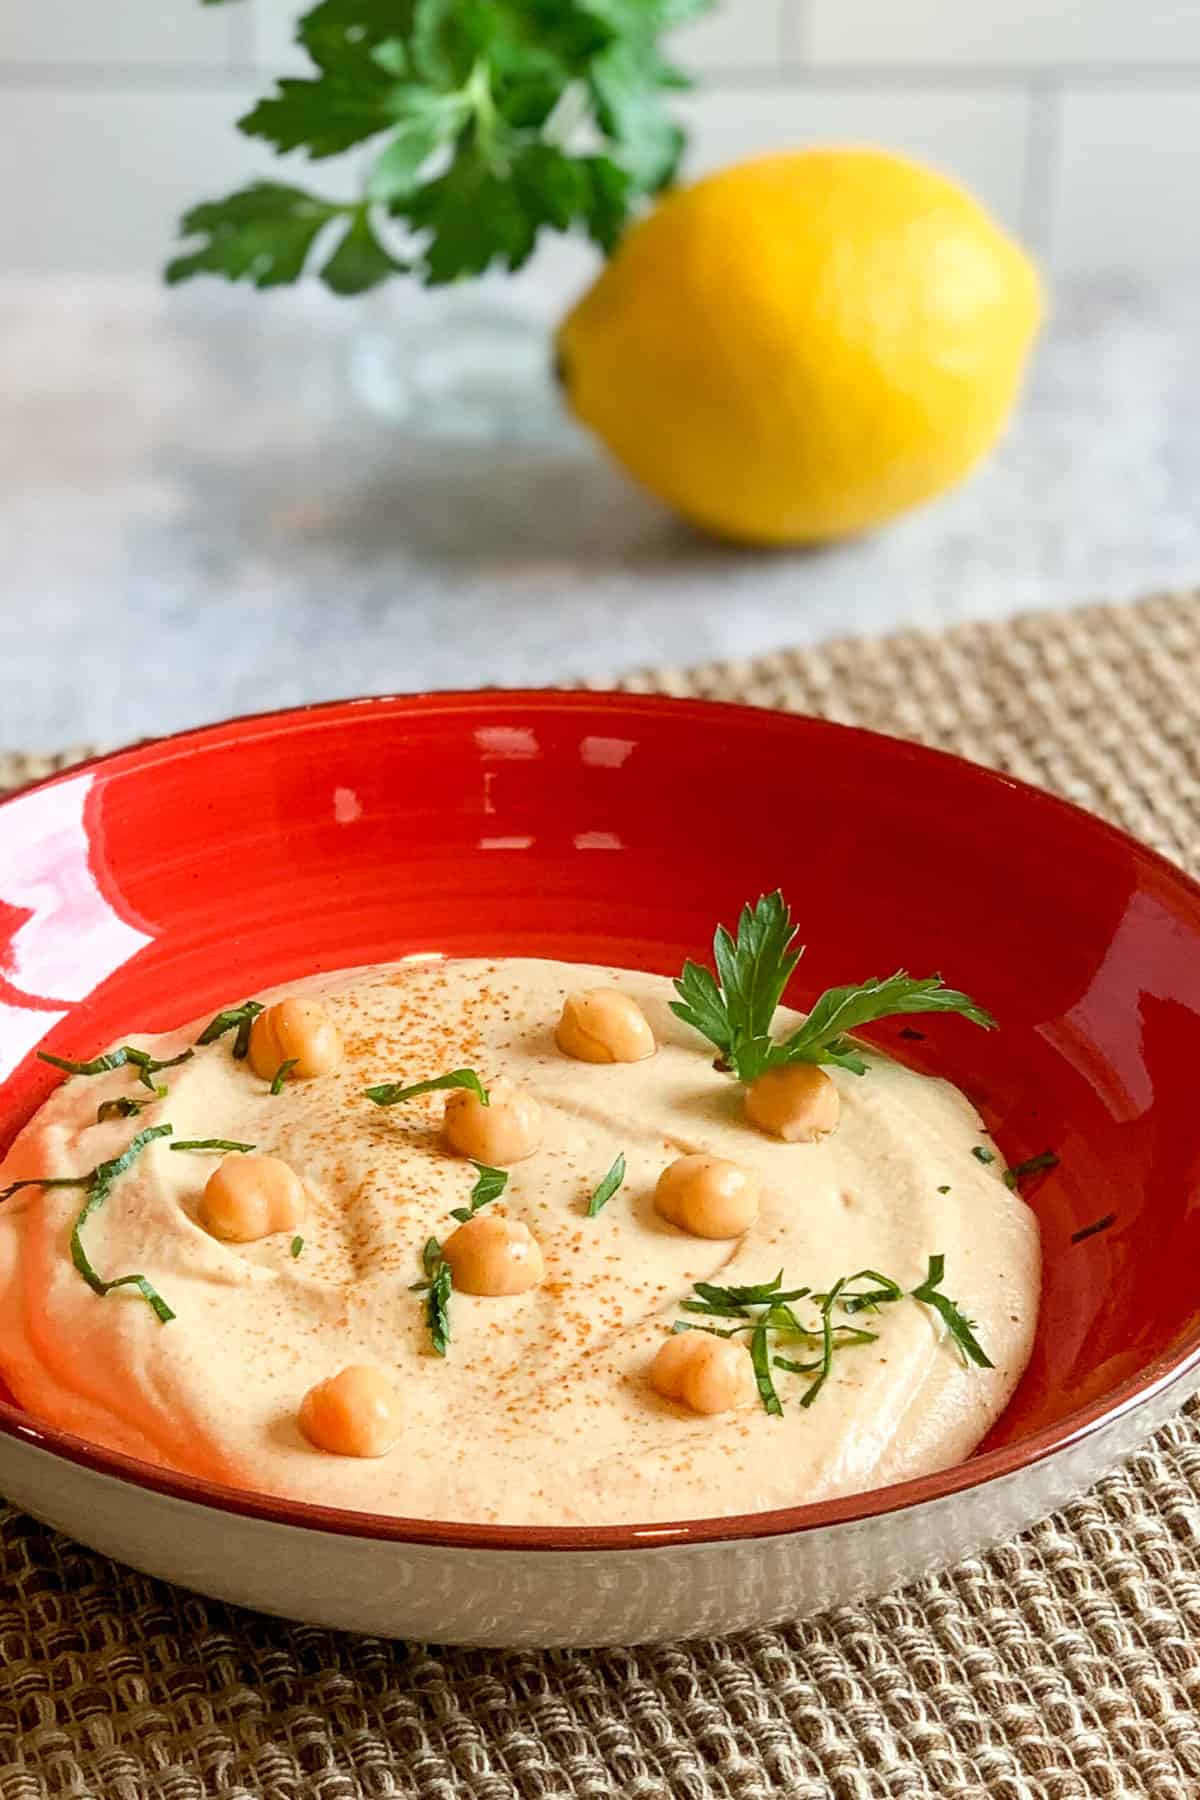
{"x":1064,"y":1665}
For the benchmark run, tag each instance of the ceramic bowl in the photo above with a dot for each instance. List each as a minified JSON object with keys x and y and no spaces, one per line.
{"x":150,"y":887}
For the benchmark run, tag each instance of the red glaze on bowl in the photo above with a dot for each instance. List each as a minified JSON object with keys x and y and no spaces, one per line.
{"x":153,"y":886}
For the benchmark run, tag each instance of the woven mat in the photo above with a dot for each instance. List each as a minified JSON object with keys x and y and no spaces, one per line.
{"x":1064,"y":1665}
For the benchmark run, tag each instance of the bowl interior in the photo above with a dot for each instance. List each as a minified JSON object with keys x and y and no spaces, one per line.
{"x":148,"y":889}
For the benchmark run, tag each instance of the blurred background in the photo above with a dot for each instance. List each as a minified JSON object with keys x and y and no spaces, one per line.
{"x":210,"y":503}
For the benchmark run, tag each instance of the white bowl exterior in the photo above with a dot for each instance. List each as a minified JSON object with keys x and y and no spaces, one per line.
{"x":548,"y":1598}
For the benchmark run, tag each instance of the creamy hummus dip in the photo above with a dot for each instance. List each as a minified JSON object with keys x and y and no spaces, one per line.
{"x":541,"y":1412}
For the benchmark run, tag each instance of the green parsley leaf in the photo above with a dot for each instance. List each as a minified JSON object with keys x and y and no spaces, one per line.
{"x":437,"y":1288}
{"x":263,"y":234}
{"x":489,"y":1186}
{"x":99,"y":1186}
{"x":760,"y":1357}
{"x":237,"y":1019}
{"x":844,"y":1009}
{"x":608,"y":1186}
{"x":279,"y":1080}
{"x":393,"y":1093}
{"x":296,"y":1246}
{"x":1033,"y":1165}
{"x":210,"y":1146}
{"x":146,"y":1065}
{"x":961,"y":1329}
{"x":982,"y":1154}
{"x":126,"y":1107}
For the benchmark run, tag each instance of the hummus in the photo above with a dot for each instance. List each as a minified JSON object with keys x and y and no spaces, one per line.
{"x":541,"y":1412}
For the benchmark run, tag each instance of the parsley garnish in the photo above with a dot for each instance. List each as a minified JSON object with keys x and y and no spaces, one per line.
{"x":1097,"y":1225}
{"x":765,"y":1313}
{"x":464,"y":106}
{"x":607,"y":1187}
{"x":982,"y":1154}
{"x":1033,"y":1165}
{"x":238,"y":1019}
{"x":489,"y":1186}
{"x":281,"y":1074}
{"x":393,"y":1093}
{"x":146,"y":1065}
{"x":297,"y":1245}
{"x":437,"y":1288}
{"x":210,"y":1145}
{"x":734,"y":1009}
{"x":126,"y":1107}
{"x":98,"y":1185}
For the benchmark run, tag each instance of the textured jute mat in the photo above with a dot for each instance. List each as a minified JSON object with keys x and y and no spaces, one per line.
{"x":1065,"y":1664}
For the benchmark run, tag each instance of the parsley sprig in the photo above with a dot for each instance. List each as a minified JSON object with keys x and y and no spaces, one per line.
{"x":237,"y":1019}
{"x":98,"y":1185}
{"x":734,"y":1008}
{"x":395,"y":1093}
{"x":607,"y":1186}
{"x":764,"y":1312}
{"x":437,"y":1288}
{"x":472,"y":110}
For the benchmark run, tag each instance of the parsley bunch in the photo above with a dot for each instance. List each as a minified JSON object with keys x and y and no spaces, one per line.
{"x":734,"y":1009}
{"x":471,"y":107}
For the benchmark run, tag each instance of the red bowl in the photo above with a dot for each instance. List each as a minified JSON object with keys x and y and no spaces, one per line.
{"x":152,"y":886}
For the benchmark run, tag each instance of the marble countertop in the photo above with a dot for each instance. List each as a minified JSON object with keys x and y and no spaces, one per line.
{"x":202,"y":514}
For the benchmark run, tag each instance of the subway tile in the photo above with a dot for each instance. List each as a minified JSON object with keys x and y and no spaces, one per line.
{"x":64,"y":33}
{"x":978,"y":138}
{"x":1127,"y":177}
{"x":736,"y":34}
{"x":105,"y":175}
{"x":992,"y":32}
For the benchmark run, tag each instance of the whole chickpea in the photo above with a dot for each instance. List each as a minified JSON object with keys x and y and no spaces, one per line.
{"x":492,"y":1255}
{"x":299,"y":1031}
{"x":354,"y":1413}
{"x":704,"y":1373}
{"x":707,"y":1196}
{"x":251,"y":1197}
{"x":798,"y":1103}
{"x":603,"y":1025}
{"x":505,"y":1131}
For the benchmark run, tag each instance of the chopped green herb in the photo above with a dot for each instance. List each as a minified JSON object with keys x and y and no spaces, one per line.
{"x":608,"y":1186}
{"x":982,"y":1154}
{"x":437,"y":1287}
{"x":1033,"y":1165}
{"x":297,"y":1245}
{"x":393,"y":1093}
{"x":98,"y":1185}
{"x":146,"y":1065}
{"x":735,"y":1008}
{"x":282,"y":1073}
{"x":944,"y":1190}
{"x":1097,"y":1225}
{"x":961,"y":1329}
{"x":489,"y":1186}
{"x":209,"y":1146}
{"x":763,"y":1311}
{"x":238,"y":1019}
{"x":126,"y":1107}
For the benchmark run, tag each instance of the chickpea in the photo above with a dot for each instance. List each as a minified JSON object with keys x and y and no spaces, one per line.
{"x":707,"y":1196}
{"x":492,"y":1255}
{"x":250,"y":1197}
{"x":299,"y":1030}
{"x":505,"y":1131}
{"x":704,"y":1373}
{"x":602,"y":1025}
{"x":355,"y":1413}
{"x":798,"y":1103}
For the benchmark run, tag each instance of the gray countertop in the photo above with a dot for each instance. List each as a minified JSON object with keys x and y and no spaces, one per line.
{"x":202,"y":515}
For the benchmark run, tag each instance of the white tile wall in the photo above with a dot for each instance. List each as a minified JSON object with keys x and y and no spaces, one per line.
{"x":1077,"y":121}
{"x":1129,"y":165}
{"x":1043,"y":34}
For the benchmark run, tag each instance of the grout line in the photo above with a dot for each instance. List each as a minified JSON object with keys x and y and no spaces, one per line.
{"x":1043,"y":148}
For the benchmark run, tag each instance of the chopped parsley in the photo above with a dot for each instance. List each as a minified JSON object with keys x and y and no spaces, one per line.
{"x":607,"y":1186}
{"x":394,"y":1093}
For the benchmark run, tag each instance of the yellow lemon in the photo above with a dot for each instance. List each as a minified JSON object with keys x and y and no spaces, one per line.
{"x":802,"y":346}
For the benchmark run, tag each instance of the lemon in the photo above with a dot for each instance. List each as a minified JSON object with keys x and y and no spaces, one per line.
{"x":804,"y":345}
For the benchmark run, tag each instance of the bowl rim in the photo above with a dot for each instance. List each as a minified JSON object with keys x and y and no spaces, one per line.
{"x":1009,"y":1460}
